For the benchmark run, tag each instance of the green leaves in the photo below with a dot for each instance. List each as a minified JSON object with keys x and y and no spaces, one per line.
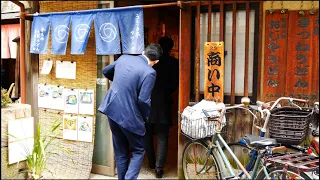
{"x":5,"y":99}
{"x":37,"y":160}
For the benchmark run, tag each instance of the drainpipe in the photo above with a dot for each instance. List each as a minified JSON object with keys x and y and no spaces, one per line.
{"x":22,"y":52}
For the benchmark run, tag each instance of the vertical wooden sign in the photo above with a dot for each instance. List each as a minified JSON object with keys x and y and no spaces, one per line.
{"x":303,"y":36}
{"x":275,"y":58}
{"x":314,"y":90}
{"x":214,"y":71}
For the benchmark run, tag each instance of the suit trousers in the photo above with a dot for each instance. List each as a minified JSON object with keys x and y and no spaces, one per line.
{"x":162,"y":132}
{"x":125,"y":142}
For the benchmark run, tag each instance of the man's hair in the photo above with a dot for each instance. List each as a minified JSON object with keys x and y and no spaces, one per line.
{"x":166,"y":44}
{"x":153,"y":51}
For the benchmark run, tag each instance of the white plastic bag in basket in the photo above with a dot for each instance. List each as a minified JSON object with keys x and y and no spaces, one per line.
{"x":195,"y":124}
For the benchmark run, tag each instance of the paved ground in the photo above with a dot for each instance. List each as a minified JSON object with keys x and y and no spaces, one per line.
{"x":146,"y":173}
{"x":170,"y":170}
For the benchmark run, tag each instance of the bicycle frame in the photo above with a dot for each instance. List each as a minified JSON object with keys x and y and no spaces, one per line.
{"x":221,"y":158}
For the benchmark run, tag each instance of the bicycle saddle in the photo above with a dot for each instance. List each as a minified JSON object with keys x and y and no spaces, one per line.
{"x":259,"y":142}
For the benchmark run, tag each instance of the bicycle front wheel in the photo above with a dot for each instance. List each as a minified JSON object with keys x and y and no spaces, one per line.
{"x":277,"y":173}
{"x":243,"y":153}
{"x":197,"y":164}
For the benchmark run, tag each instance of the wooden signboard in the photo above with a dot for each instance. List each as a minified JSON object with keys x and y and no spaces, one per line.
{"x":275,"y":58}
{"x":302,"y":75}
{"x":214,"y":71}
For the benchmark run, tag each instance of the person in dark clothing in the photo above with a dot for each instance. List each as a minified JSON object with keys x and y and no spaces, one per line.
{"x":167,"y":82}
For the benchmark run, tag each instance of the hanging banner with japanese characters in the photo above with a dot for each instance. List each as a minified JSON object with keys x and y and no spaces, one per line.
{"x":60,"y":33}
{"x":131,"y":29}
{"x":40,"y":34}
{"x":304,"y":63}
{"x":275,"y":55}
{"x":214,"y":71}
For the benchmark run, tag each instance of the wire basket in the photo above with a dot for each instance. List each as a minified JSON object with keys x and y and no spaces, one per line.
{"x":199,"y":128}
{"x":290,"y":125}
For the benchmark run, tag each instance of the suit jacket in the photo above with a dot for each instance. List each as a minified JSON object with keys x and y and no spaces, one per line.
{"x":167,"y":82}
{"x":128,"y":102}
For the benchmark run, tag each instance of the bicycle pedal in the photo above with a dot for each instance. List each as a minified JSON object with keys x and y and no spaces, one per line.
{"x":232,"y":177}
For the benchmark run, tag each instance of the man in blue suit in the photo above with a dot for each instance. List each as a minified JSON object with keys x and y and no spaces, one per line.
{"x":127,"y":105}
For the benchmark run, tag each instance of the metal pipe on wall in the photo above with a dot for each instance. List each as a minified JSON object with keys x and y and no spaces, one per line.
{"x":22,"y":52}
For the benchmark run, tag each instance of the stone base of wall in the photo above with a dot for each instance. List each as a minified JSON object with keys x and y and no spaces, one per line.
{"x":12,"y":112}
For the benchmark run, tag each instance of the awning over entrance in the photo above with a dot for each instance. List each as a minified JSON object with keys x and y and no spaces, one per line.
{"x":8,"y":33}
{"x":110,"y":26}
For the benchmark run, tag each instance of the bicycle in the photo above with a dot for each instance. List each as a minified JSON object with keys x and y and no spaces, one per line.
{"x":249,"y":155}
{"x":213,"y":162}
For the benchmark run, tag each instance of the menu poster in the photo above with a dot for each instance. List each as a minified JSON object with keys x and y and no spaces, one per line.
{"x":70,"y":127}
{"x":66,"y":69}
{"x":85,"y":129}
{"x":44,"y":96}
{"x":86,"y":100}
{"x":71,"y":101}
{"x":57,"y":99}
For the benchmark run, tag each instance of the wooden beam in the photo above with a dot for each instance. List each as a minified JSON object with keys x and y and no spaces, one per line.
{"x":246,"y":65}
{"x":209,"y":22}
{"x":221,"y":36}
{"x":184,"y":73}
{"x":205,"y":3}
{"x":233,"y":67}
{"x":197,"y":53}
{"x":260,"y":50}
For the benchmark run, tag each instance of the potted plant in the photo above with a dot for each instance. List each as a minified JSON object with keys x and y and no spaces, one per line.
{"x":36,"y":160}
{"x":5,"y":99}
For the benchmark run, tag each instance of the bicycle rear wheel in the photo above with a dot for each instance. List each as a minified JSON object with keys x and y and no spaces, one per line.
{"x":196,"y":164}
{"x":243,"y":153}
{"x":277,"y":173}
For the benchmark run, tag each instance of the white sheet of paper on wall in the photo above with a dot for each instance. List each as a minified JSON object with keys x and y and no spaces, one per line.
{"x":20,"y":139}
{"x":44,"y":96}
{"x":66,"y":69}
{"x":57,"y":98}
{"x":46,"y":67}
{"x":71,"y":101}
{"x":85,"y":129}
{"x":86,"y":101}
{"x":70,"y":127}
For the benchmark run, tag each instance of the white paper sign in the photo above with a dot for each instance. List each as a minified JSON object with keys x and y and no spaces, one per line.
{"x":86,"y":100}
{"x":18,"y":150}
{"x":85,"y":129}
{"x":66,"y":69}
{"x":57,"y":98}
{"x":46,"y":66}
{"x":70,"y":127}
{"x":20,"y":139}
{"x":44,"y":96}
{"x":71,"y":101}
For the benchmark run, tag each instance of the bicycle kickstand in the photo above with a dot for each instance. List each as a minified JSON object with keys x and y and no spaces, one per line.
{"x":284,"y":171}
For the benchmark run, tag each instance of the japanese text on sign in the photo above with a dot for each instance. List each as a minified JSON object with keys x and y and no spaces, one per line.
{"x":214,"y":71}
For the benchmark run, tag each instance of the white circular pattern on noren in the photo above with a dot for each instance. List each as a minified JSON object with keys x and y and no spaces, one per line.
{"x":107,"y":32}
{"x":81,"y":32}
{"x":61,"y":33}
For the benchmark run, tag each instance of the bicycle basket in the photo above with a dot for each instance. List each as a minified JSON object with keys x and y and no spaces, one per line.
{"x":195,"y":125}
{"x":289,"y":125}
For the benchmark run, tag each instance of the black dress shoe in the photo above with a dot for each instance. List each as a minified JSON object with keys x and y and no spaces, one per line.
{"x":159,"y":173}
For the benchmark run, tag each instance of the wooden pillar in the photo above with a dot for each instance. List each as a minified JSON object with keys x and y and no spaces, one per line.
{"x":32,"y":67}
{"x":184,"y":73}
